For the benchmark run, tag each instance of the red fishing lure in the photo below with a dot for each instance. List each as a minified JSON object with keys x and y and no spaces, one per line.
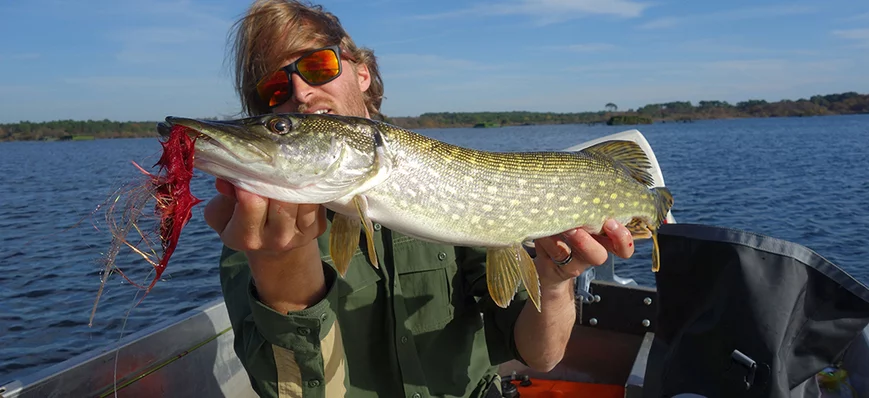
{"x":172,"y":192}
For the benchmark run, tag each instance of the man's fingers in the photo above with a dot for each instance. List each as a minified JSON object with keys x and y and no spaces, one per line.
{"x":618,"y":239}
{"x":224,"y":187}
{"x":586,"y":247}
{"x":218,"y":211}
{"x":311,"y":219}
{"x":552,"y":247}
{"x":280,"y":222}
{"x":244,"y":228}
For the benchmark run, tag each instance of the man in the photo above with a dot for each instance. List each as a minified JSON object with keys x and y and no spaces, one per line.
{"x":412,"y":327}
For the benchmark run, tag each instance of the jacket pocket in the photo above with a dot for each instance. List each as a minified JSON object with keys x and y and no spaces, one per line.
{"x":358,"y":288}
{"x":426,"y":274}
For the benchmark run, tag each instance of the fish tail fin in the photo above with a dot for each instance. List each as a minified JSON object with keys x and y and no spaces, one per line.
{"x":656,"y":252}
{"x":506,"y":267}
{"x":663,"y":204}
{"x":644,"y":228}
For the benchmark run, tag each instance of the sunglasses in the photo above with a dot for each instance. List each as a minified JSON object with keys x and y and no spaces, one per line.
{"x":316,"y":67}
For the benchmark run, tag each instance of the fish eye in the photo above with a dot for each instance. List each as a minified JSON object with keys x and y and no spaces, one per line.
{"x":280,"y":126}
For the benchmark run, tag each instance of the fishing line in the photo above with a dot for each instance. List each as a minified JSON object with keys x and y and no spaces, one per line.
{"x":121,"y":337}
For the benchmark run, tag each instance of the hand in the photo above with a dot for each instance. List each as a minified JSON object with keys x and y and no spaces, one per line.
{"x":541,"y":337}
{"x":251,"y":223}
{"x":279,"y":240}
{"x":585,"y":249}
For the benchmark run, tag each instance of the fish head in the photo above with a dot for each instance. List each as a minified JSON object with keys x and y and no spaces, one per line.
{"x":297,"y":158}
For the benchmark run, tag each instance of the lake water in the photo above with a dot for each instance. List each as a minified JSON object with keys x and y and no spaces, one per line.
{"x":799,"y":179}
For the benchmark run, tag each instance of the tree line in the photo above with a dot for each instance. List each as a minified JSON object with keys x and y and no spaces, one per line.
{"x":75,"y":129}
{"x":818,"y":105}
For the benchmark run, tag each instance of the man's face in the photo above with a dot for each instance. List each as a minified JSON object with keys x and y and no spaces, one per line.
{"x":342,"y":96}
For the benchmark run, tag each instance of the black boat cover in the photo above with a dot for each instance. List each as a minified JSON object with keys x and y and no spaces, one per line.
{"x":746,"y":315}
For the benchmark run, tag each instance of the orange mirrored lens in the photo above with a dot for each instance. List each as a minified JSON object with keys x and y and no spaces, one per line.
{"x":319,"y":67}
{"x":274,"y":89}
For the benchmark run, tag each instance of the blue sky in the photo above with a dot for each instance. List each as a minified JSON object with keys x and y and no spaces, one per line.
{"x":144,"y":60}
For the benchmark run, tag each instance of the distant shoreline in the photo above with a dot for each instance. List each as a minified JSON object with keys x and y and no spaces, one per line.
{"x":850,"y":103}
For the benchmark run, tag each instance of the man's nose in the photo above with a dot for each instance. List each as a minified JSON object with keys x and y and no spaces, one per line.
{"x":301,"y":89}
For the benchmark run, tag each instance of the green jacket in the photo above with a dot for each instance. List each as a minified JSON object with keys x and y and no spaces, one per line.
{"x":422,"y":325}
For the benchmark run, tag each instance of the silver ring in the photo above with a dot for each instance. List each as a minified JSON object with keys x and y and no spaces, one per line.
{"x":565,"y":261}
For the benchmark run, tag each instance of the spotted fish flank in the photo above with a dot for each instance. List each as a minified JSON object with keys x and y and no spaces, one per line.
{"x":369,"y":171}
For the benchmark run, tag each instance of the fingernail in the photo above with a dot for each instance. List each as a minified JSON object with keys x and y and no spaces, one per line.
{"x":611,"y":225}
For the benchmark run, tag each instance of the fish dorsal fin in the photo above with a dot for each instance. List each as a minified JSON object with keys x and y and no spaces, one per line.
{"x":629,"y":155}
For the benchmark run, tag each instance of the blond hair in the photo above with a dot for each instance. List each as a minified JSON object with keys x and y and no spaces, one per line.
{"x":272,"y":30}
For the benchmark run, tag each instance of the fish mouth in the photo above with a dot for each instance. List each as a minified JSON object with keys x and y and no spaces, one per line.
{"x":229,"y":137}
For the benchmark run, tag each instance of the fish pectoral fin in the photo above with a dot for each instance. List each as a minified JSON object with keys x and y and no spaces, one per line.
{"x":381,"y":167}
{"x":506,"y":267}
{"x":361,"y":203}
{"x":343,"y":240}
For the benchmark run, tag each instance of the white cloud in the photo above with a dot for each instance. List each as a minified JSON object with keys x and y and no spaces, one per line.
{"x":550,"y":11}
{"x":159,"y":44}
{"x":589,"y":47}
{"x":407,"y":40}
{"x":415,"y":66}
{"x":619,"y":8}
{"x":859,"y":17}
{"x":752,"y":69}
{"x":860,"y":36}
{"x":722,"y":45}
{"x":125,"y":83}
{"x":19,"y":57}
{"x":661,"y":23}
{"x":172,"y":30}
{"x":729,"y":15}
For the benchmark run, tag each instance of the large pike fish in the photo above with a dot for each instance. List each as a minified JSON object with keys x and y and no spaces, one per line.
{"x":368,"y":171}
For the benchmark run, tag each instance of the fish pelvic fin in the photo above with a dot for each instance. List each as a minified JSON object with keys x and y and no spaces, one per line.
{"x":506,"y":267}
{"x":362,"y":207}
{"x":627,"y":154}
{"x":343,"y":241}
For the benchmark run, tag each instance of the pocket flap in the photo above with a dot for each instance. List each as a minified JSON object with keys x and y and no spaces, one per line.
{"x":417,"y":256}
{"x":360,"y":274}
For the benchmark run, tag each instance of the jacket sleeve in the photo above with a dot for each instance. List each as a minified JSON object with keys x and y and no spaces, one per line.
{"x":499,"y":322}
{"x":299,"y":354}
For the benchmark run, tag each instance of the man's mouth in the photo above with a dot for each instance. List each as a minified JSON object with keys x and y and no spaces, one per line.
{"x":321,"y":111}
